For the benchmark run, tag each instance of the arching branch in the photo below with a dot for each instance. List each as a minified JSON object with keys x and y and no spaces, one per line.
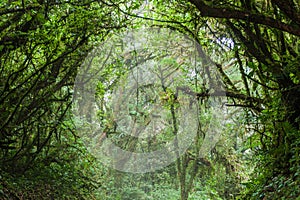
{"x":229,"y":13}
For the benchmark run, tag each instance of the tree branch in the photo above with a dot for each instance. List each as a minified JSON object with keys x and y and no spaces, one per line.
{"x":289,"y":9}
{"x":229,"y":13}
{"x":220,"y":93}
{"x":17,"y":10}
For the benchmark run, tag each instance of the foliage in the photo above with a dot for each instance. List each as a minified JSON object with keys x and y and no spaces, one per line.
{"x":60,"y":178}
{"x":42,"y":44}
{"x":254,"y":46}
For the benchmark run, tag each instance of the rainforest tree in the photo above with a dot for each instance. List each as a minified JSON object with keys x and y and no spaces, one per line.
{"x":260,"y":41}
{"x":42,"y":45}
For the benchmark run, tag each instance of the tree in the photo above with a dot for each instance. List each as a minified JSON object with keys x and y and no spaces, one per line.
{"x":42,"y":45}
{"x":261,"y":39}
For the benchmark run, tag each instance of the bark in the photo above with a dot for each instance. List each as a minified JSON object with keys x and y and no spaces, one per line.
{"x":289,"y":9}
{"x":229,"y":13}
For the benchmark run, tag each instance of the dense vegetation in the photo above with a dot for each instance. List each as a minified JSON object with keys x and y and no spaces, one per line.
{"x":252,"y":44}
